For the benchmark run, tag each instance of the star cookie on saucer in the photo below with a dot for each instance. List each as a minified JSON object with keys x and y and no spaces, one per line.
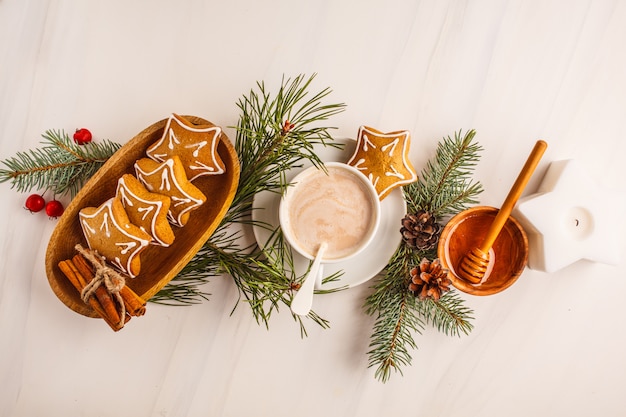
{"x":384,"y":159}
{"x":195,"y":145}
{"x":109,"y":232}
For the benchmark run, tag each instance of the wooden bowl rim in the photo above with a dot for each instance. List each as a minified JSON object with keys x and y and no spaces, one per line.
{"x":143,"y":139}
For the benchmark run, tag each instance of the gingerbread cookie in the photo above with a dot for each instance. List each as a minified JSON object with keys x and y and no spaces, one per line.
{"x":169,"y":178}
{"x":195,"y":145}
{"x":384,"y":159}
{"x":109,"y":231}
{"x":145,"y":209}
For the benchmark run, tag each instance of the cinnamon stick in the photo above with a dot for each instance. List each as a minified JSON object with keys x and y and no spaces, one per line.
{"x":105,"y":299}
{"x":75,"y":278}
{"x":135,"y":305}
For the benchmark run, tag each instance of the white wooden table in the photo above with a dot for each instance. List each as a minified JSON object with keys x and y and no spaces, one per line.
{"x":516,"y":71}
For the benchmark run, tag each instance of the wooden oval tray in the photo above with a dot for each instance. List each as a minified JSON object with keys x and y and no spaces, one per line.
{"x":158,"y":264}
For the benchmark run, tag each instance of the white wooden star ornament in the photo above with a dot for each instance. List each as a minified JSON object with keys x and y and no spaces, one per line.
{"x":571,"y":218}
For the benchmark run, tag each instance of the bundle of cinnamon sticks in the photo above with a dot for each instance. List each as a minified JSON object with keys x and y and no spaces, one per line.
{"x":80,"y":273}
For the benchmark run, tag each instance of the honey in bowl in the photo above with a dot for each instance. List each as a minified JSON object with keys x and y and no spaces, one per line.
{"x":508,"y":254}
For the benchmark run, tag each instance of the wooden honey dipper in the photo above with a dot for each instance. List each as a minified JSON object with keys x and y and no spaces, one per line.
{"x":474,"y":264}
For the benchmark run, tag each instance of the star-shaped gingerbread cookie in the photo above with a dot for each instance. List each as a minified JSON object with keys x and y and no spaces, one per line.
{"x":145,"y":209}
{"x":384,"y":159}
{"x":196,"y":146}
{"x":168,"y":178}
{"x":109,"y":231}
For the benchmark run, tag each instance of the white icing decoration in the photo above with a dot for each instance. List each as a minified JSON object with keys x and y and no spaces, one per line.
{"x":117,"y":262}
{"x":198,"y":146}
{"x":165,"y":182}
{"x":394,"y":173}
{"x":177,"y":201}
{"x":171,"y":140}
{"x":391,"y":145}
{"x":359,"y":165}
{"x":126,"y":246}
{"x":146,"y":211}
{"x":121,"y":191}
{"x":367,"y":141}
{"x":154,"y":205}
{"x":109,"y":220}
{"x":149,"y":187}
{"x":87,"y":228}
{"x":201,"y":166}
{"x":168,"y":167}
{"x":105,"y":225}
{"x":373,"y":180}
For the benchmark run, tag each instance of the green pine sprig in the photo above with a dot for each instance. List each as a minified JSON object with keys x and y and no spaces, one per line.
{"x":444,"y":188}
{"x":60,"y":165}
{"x":275,"y":132}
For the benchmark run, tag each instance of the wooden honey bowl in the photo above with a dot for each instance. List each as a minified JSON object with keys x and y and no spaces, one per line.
{"x":508,"y":255}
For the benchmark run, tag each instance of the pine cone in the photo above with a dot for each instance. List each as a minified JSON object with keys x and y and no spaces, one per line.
{"x":420,"y":230}
{"x":429,"y":280}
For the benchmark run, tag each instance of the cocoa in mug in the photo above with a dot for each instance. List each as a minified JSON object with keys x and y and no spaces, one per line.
{"x":339,"y":207}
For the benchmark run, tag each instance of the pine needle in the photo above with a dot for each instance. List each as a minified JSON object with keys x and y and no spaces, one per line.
{"x":60,"y":165}
{"x":274,"y":134}
{"x":444,"y":188}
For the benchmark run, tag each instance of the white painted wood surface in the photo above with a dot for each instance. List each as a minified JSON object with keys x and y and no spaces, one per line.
{"x":516,"y":71}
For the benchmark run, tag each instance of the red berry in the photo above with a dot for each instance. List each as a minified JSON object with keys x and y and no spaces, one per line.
{"x":82,"y":136}
{"x":34,"y":203}
{"x":54,"y":208}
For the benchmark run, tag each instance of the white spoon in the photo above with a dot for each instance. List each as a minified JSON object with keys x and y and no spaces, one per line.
{"x":303,"y":300}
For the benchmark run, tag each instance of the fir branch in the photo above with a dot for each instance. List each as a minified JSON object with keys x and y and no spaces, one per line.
{"x":396,"y":316}
{"x":60,"y":165}
{"x":186,"y":292}
{"x":394,"y":329}
{"x":273,"y":135}
{"x":444,"y":188}
{"x":448,"y":315}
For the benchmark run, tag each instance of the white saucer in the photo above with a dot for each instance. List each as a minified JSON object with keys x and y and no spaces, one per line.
{"x":360,"y":268}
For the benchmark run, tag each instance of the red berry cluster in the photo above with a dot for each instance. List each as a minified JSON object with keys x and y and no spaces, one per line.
{"x":35,"y":203}
{"x":54,"y":208}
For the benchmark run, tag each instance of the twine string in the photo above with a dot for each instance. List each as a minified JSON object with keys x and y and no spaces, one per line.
{"x":112,"y":280}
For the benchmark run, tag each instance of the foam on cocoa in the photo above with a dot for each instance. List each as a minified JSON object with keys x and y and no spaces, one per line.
{"x":335,"y":208}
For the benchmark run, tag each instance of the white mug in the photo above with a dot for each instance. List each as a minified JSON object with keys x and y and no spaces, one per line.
{"x":338,"y":207}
